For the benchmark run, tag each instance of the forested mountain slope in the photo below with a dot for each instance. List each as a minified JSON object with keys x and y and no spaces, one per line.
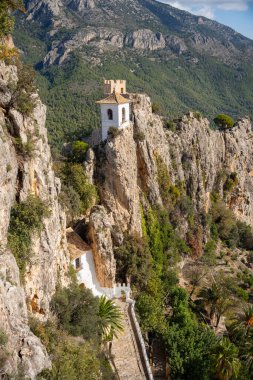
{"x":183,"y":61}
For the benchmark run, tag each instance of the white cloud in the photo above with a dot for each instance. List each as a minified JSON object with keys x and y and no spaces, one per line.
{"x":234,"y":6}
{"x":207,"y":8}
{"x":206,"y":11}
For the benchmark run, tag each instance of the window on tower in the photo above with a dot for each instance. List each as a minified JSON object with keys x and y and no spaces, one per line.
{"x":110,"y":114}
{"x":123,"y":115}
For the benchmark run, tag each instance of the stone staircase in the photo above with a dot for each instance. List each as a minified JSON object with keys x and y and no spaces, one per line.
{"x":125,"y":351}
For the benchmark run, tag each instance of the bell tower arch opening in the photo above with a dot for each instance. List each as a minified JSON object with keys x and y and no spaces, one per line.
{"x":110,"y":114}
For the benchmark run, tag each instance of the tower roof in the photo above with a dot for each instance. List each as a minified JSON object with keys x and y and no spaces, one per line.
{"x":114,"y":98}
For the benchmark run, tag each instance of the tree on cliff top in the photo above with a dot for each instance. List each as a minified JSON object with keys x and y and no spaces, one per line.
{"x":224,"y":121}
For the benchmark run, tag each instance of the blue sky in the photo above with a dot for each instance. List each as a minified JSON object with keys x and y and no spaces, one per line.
{"x":235,"y":13}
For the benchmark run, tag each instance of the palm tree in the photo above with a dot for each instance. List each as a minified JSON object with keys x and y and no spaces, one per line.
{"x":226,"y":360}
{"x":110,"y":319}
{"x":218,"y":298}
{"x":248,"y":355}
{"x":195,"y":276}
{"x":243,"y":322}
{"x":210,"y":296}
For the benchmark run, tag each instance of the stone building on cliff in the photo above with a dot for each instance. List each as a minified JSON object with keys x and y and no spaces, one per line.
{"x":115,"y":108}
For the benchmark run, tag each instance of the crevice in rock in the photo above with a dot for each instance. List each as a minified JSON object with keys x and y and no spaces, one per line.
{"x":20,"y":183}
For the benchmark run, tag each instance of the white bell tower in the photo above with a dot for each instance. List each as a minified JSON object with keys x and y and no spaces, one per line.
{"x":115,"y":111}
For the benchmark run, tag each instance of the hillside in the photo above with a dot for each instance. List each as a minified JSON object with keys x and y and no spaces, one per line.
{"x":183,"y":61}
{"x":165,"y":207}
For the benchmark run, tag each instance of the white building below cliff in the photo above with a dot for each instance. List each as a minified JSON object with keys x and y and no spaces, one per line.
{"x":83,"y":262}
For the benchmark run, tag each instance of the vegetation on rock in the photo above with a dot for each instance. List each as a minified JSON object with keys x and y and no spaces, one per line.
{"x":77,"y":152}
{"x":8,"y":53}
{"x":25,"y":223}
{"x":3,"y":352}
{"x":78,"y":195}
{"x":74,"y":339}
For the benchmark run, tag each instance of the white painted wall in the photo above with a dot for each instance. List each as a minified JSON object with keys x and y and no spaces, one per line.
{"x":87,"y":276}
{"x":117,"y":117}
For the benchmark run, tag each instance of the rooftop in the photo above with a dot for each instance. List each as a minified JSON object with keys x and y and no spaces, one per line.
{"x":77,"y":246}
{"x":114,"y":98}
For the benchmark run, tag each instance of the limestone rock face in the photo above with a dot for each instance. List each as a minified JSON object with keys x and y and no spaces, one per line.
{"x":176,"y":44}
{"x":24,"y":173}
{"x":145,"y":39}
{"x":25,"y":348}
{"x":117,"y":172}
{"x":126,"y":169}
{"x":42,"y":9}
{"x":99,"y":37}
{"x":100,"y":225}
{"x":81,"y":5}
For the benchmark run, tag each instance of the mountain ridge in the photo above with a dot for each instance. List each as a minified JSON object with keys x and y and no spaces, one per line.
{"x":183,"y":61}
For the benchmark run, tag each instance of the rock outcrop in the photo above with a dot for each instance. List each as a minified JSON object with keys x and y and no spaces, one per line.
{"x":126,"y":166}
{"x":81,"y":5}
{"x":100,"y":225}
{"x":23,"y":172}
{"x":145,"y":39}
{"x":24,"y":350}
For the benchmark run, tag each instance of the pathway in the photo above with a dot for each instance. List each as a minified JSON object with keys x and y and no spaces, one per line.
{"x":125,"y":351}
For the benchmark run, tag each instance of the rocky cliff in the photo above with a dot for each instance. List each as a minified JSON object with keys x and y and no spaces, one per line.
{"x":26,"y":168}
{"x":127,"y":168}
{"x":93,"y":19}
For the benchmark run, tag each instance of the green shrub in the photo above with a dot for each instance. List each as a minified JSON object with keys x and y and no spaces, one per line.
{"x":3,"y":338}
{"x":8,"y":168}
{"x":242,"y":293}
{"x":197,"y":115}
{"x":245,"y":235}
{"x":224,"y":121}
{"x":77,"y":311}
{"x":156,"y":108}
{"x":175,"y":193}
{"x":72,"y":359}
{"x":209,"y":256}
{"x":247,"y":280}
{"x":170,"y":125}
{"x":22,"y":95}
{"x":139,"y":136}
{"x":25,"y":222}
{"x":71,"y":201}
{"x":6,"y":18}
{"x":133,"y":260}
{"x":73,"y":177}
{"x":188,"y":342}
{"x":231,"y":182}
{"x":114,"y":132}
{"x":170,"y":193}
{"x":26,"y":149}
{"x":78,"y":151}
{"x":25,"y":104}
{"x":225,"y":223}
{"x":3,"y":352}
